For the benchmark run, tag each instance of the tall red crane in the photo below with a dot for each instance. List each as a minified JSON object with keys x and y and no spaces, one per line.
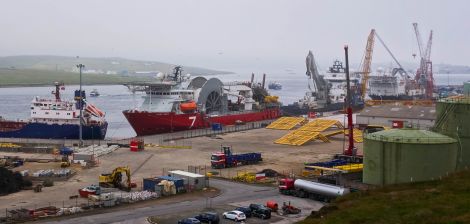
{"x":424,"y":76}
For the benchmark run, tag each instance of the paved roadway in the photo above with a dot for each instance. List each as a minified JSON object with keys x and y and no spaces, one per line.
{"x":230,"y":193}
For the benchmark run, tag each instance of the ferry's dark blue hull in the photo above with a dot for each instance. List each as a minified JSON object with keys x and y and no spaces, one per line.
{"x":57,"y":131}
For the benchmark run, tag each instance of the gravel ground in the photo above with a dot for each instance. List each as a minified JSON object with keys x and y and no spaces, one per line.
{"x":281,"y":158}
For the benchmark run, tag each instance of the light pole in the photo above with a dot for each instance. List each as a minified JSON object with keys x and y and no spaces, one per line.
{"x":80,"y":67}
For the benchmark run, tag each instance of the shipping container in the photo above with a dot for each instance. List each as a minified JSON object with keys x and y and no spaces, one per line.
{"x":149,"y":184}
{"x":83,"y":156}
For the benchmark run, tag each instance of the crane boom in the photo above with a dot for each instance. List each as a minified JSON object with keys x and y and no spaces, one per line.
{"x":365,"y":70}
{"x":319,"y":84}
{"x":428,"y":48}
{"x":424,"y":74}
{"x":389,"y":51}
{"x":418,"y":38}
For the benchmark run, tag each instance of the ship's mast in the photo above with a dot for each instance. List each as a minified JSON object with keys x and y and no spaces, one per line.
{"x":57,"y":93}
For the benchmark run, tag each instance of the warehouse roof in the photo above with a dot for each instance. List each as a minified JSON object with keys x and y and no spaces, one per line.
{"x":185,"y":174}
{"x":400,"y":111}
{"x":456,"y":99}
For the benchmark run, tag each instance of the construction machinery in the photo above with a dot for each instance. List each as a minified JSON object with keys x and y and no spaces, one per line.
{"x":288,"y":209}
{"x":65,"y":152}
{"x":424,"y":76}
{"x":114,"y":179}
{"x":365,"y":66}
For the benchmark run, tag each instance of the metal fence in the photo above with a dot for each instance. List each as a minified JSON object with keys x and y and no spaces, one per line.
{"x":156,"y":139}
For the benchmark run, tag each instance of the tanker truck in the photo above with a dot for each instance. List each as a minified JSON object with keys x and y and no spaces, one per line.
{"x":308,"y":189}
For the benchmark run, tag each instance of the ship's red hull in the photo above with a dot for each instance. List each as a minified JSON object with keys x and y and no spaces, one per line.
{"x":148,"y":123}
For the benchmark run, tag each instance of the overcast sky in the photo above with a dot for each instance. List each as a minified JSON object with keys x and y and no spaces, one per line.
{"x":228,"y":34}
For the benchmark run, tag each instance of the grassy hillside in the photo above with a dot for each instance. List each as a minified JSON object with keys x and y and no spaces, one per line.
{"x":30,"y":77}
{"x":62,"y":63}
{"x":446,"y":201}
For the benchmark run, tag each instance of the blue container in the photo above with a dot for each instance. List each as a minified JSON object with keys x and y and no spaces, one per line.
{"x":217,"y":127}
{"x":149,"y":184}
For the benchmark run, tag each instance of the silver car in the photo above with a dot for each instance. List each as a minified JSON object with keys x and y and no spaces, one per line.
{"x":234,"y":215}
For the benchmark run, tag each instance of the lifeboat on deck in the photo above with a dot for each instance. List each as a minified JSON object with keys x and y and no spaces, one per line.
{"x":188,"y":106}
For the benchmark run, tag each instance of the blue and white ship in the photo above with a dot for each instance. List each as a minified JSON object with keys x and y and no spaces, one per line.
{"x":54,"y":118}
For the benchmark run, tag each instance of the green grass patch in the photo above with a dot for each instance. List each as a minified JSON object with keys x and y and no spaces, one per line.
{"x":445,"y":201}
{"x":37,"y":77}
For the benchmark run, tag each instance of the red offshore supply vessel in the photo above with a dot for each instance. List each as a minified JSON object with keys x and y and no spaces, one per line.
{"x":176,"y":103}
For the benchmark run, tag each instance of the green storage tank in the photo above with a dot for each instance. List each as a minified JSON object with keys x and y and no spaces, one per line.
{"x":466,"y":88}
{"x":453,"y":120}
{"x":407,"y":155}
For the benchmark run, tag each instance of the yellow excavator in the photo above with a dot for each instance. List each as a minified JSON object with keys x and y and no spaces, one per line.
{"x":114,"y":179}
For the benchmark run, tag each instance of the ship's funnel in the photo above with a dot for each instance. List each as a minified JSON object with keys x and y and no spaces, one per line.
{"x":252,"y":79}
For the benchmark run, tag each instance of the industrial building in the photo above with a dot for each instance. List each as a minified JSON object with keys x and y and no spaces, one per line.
{"x":398,"y":116}
{"x":407,"y":155}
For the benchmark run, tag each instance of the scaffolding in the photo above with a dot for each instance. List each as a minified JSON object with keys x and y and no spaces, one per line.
{"x":310,"y":132}
{"x":286,"y":123}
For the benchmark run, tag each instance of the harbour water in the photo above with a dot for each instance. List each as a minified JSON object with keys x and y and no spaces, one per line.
{"x":15,"y":101}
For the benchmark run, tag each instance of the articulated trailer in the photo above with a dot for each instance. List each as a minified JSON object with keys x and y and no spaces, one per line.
{"x":225,"y":158}
{"x":308,"y":189}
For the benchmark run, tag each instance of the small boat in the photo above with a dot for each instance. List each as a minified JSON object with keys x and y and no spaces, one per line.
{"x":189,"y":106}
{"x":94,"y":93}
{"x":275,"y":86}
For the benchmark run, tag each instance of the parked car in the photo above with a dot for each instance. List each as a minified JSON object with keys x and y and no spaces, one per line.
{"x":245,"y":210}
{"x":234,"y":215}
{"x":189,"y":221}
{"x":260,"y":211}
{"x":208,"y":217}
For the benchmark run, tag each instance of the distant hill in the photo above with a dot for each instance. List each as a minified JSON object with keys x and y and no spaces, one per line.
{"x":118,"y":66}
{"x":412,"y":67}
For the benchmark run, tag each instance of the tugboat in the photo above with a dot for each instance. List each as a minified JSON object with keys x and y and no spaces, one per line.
{"x":176,"y":103}
{"x":58,"y":119}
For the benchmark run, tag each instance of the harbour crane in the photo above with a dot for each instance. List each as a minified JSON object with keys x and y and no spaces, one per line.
{"x":365,"y":66}
{"x":318,"y":88}
{"x":424,"y":74}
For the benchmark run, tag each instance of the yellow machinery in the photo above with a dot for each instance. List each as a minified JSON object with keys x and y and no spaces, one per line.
{"x":65,"y":161}
{"x":365,"y":66}
{"x":271,"y":99}
{"x":114,"y":179}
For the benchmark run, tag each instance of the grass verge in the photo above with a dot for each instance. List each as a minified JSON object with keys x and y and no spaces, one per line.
{"x":444,"y":201}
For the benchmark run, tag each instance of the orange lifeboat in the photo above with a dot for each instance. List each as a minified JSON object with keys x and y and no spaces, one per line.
{"x":188,"y":106}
